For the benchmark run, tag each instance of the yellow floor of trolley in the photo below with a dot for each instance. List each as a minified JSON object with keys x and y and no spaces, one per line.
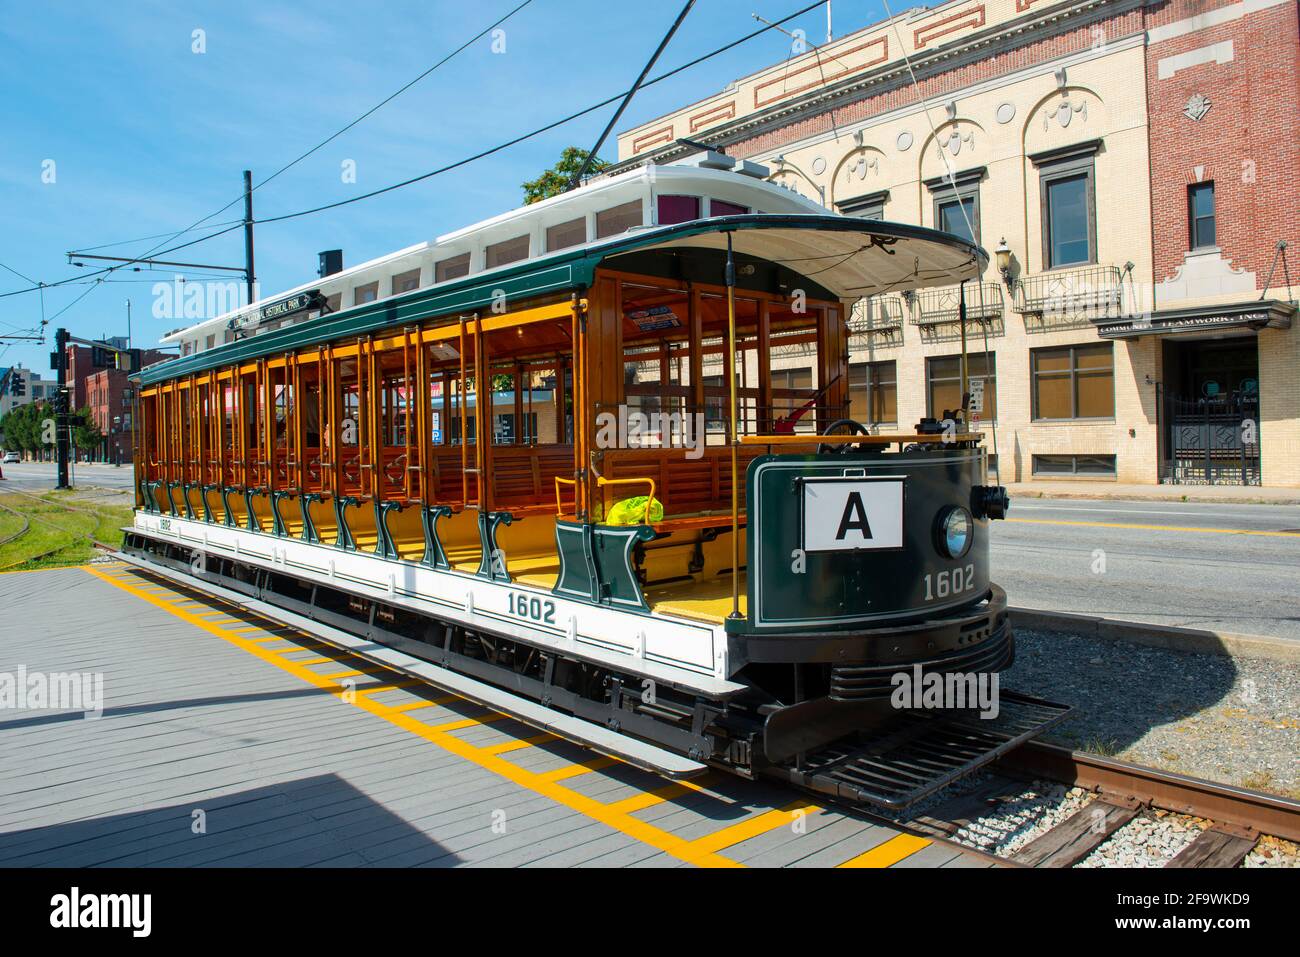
{"x":708,"y":601}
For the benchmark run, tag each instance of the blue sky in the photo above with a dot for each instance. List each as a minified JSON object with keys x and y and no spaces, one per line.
{"x":148,"y":136}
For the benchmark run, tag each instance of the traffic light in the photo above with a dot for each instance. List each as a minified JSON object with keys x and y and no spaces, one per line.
{"x":17,"y":385}
{"x":99,"y":357}
{"x":128,"y":360}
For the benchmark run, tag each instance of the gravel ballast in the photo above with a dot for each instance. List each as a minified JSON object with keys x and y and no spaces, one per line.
{"x":1231,"y":720}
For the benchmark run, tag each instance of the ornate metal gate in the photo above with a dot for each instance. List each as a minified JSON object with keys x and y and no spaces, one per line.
{"x":1210,"y":441}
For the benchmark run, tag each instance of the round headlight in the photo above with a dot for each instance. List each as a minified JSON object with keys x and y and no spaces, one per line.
{"x":954,"y":532}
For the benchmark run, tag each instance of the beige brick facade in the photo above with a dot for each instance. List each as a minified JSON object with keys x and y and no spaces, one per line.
{"x":1000,"y":87}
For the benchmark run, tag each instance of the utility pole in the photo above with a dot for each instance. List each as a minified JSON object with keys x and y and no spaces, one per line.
{"x":128,"y":323}
{"x":61,"y":405}
{"x":249,"y":277}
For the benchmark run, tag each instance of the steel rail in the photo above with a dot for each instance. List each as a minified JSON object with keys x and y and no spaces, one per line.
{"x":1222,"y":803}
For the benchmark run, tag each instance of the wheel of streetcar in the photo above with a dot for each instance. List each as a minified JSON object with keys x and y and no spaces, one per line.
{"x":854,"y":428}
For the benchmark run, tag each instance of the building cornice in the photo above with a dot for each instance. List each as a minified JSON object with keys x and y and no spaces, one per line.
{"x":971,"y":49}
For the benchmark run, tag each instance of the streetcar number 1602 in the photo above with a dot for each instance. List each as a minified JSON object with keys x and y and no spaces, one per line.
{"x":947,"y":583}
{"x":535,"y":609}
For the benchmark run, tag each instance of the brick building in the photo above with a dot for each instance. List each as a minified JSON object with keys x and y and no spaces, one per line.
{"x":109,"y":396}
{"x":108,"y":393}
{"x":1135,"y":162}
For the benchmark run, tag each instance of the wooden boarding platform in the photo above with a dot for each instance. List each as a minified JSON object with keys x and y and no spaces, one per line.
{"x":292,"y":753}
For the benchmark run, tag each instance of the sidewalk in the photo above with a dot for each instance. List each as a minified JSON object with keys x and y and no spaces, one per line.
{"x":1239,"y":494}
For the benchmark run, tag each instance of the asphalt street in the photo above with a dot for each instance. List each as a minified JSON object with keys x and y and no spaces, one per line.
{"x":1223,"y":566}
{"x":40,"y":475}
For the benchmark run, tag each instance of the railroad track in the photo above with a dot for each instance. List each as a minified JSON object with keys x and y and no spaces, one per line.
{"x":1122,"y":792}
{"x":73,"y":536}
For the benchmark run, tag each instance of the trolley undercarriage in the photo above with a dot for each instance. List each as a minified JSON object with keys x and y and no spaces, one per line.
{"x":838,"y":734}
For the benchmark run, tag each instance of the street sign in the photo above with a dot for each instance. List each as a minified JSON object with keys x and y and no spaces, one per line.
{"x":976,"y":396}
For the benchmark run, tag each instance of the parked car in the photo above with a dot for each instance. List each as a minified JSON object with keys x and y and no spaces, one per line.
{"x":12,"y":458}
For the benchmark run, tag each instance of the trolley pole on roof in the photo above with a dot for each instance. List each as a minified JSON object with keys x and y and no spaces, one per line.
{"x":249,"y":276}
{"x":586,"y":164}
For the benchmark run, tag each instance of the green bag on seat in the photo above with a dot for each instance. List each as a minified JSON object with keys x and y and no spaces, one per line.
{"x":632,"y":511}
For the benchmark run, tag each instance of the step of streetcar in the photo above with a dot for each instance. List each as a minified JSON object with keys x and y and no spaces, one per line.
{"x":919,"y":752}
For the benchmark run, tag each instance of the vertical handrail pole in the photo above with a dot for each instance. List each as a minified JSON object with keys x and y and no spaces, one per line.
{"x":484,"y":415}
{"x":422,"y":416}
{"x":965,"y":372}
{"x":464,"y":434}
{"x":735,"y":435}
{"x":579,"y":413}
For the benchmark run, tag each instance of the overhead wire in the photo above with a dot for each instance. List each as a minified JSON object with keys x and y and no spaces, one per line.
{"x":239,"y":223}
{"x":459,"y":163}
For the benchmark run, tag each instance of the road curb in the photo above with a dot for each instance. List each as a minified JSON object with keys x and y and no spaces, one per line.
{"x":1172,"y":638}
{"x":1183,"y":499}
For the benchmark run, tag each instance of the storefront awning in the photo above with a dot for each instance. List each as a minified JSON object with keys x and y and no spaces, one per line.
{"x":1247,"y":316}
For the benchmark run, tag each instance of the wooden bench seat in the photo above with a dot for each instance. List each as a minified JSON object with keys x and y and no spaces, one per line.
{"x":361,"y":523}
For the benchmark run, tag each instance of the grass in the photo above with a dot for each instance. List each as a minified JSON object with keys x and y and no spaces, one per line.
{"x":1106,"y":748}
{"x":57,"y":536}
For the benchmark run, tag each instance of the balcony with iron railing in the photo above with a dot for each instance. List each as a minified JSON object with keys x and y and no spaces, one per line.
{"x":877,"y":320}
{"x":937,"y":312}
{"x":1063,"y":299}
{"x":943,"y":304}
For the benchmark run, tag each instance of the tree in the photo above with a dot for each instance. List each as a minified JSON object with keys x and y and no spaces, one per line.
{"x":85,"y":434}
{"x":22,"y":427}
{"x":556,"y":179}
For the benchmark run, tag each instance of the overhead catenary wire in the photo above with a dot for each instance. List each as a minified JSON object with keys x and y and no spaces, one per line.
{"x":482,"y":154}
{"x":333,"y":136}
{"x":970,"y":228}
{"x":337,"y":133}
{"x":541,"y":129}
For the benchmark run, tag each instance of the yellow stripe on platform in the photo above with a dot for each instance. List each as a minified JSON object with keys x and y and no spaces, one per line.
{"x":464,"y":723}
{"x":518,"y":745}
{"x":582,"y":767}
{"x":426,"y":703}
{"x":701,"y":852}
{"x":753,"y":827}
{"x":646,"y":799}
{"x":889,"y":853}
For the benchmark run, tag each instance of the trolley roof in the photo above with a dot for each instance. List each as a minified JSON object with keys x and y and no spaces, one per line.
{"x":850,"y":258}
